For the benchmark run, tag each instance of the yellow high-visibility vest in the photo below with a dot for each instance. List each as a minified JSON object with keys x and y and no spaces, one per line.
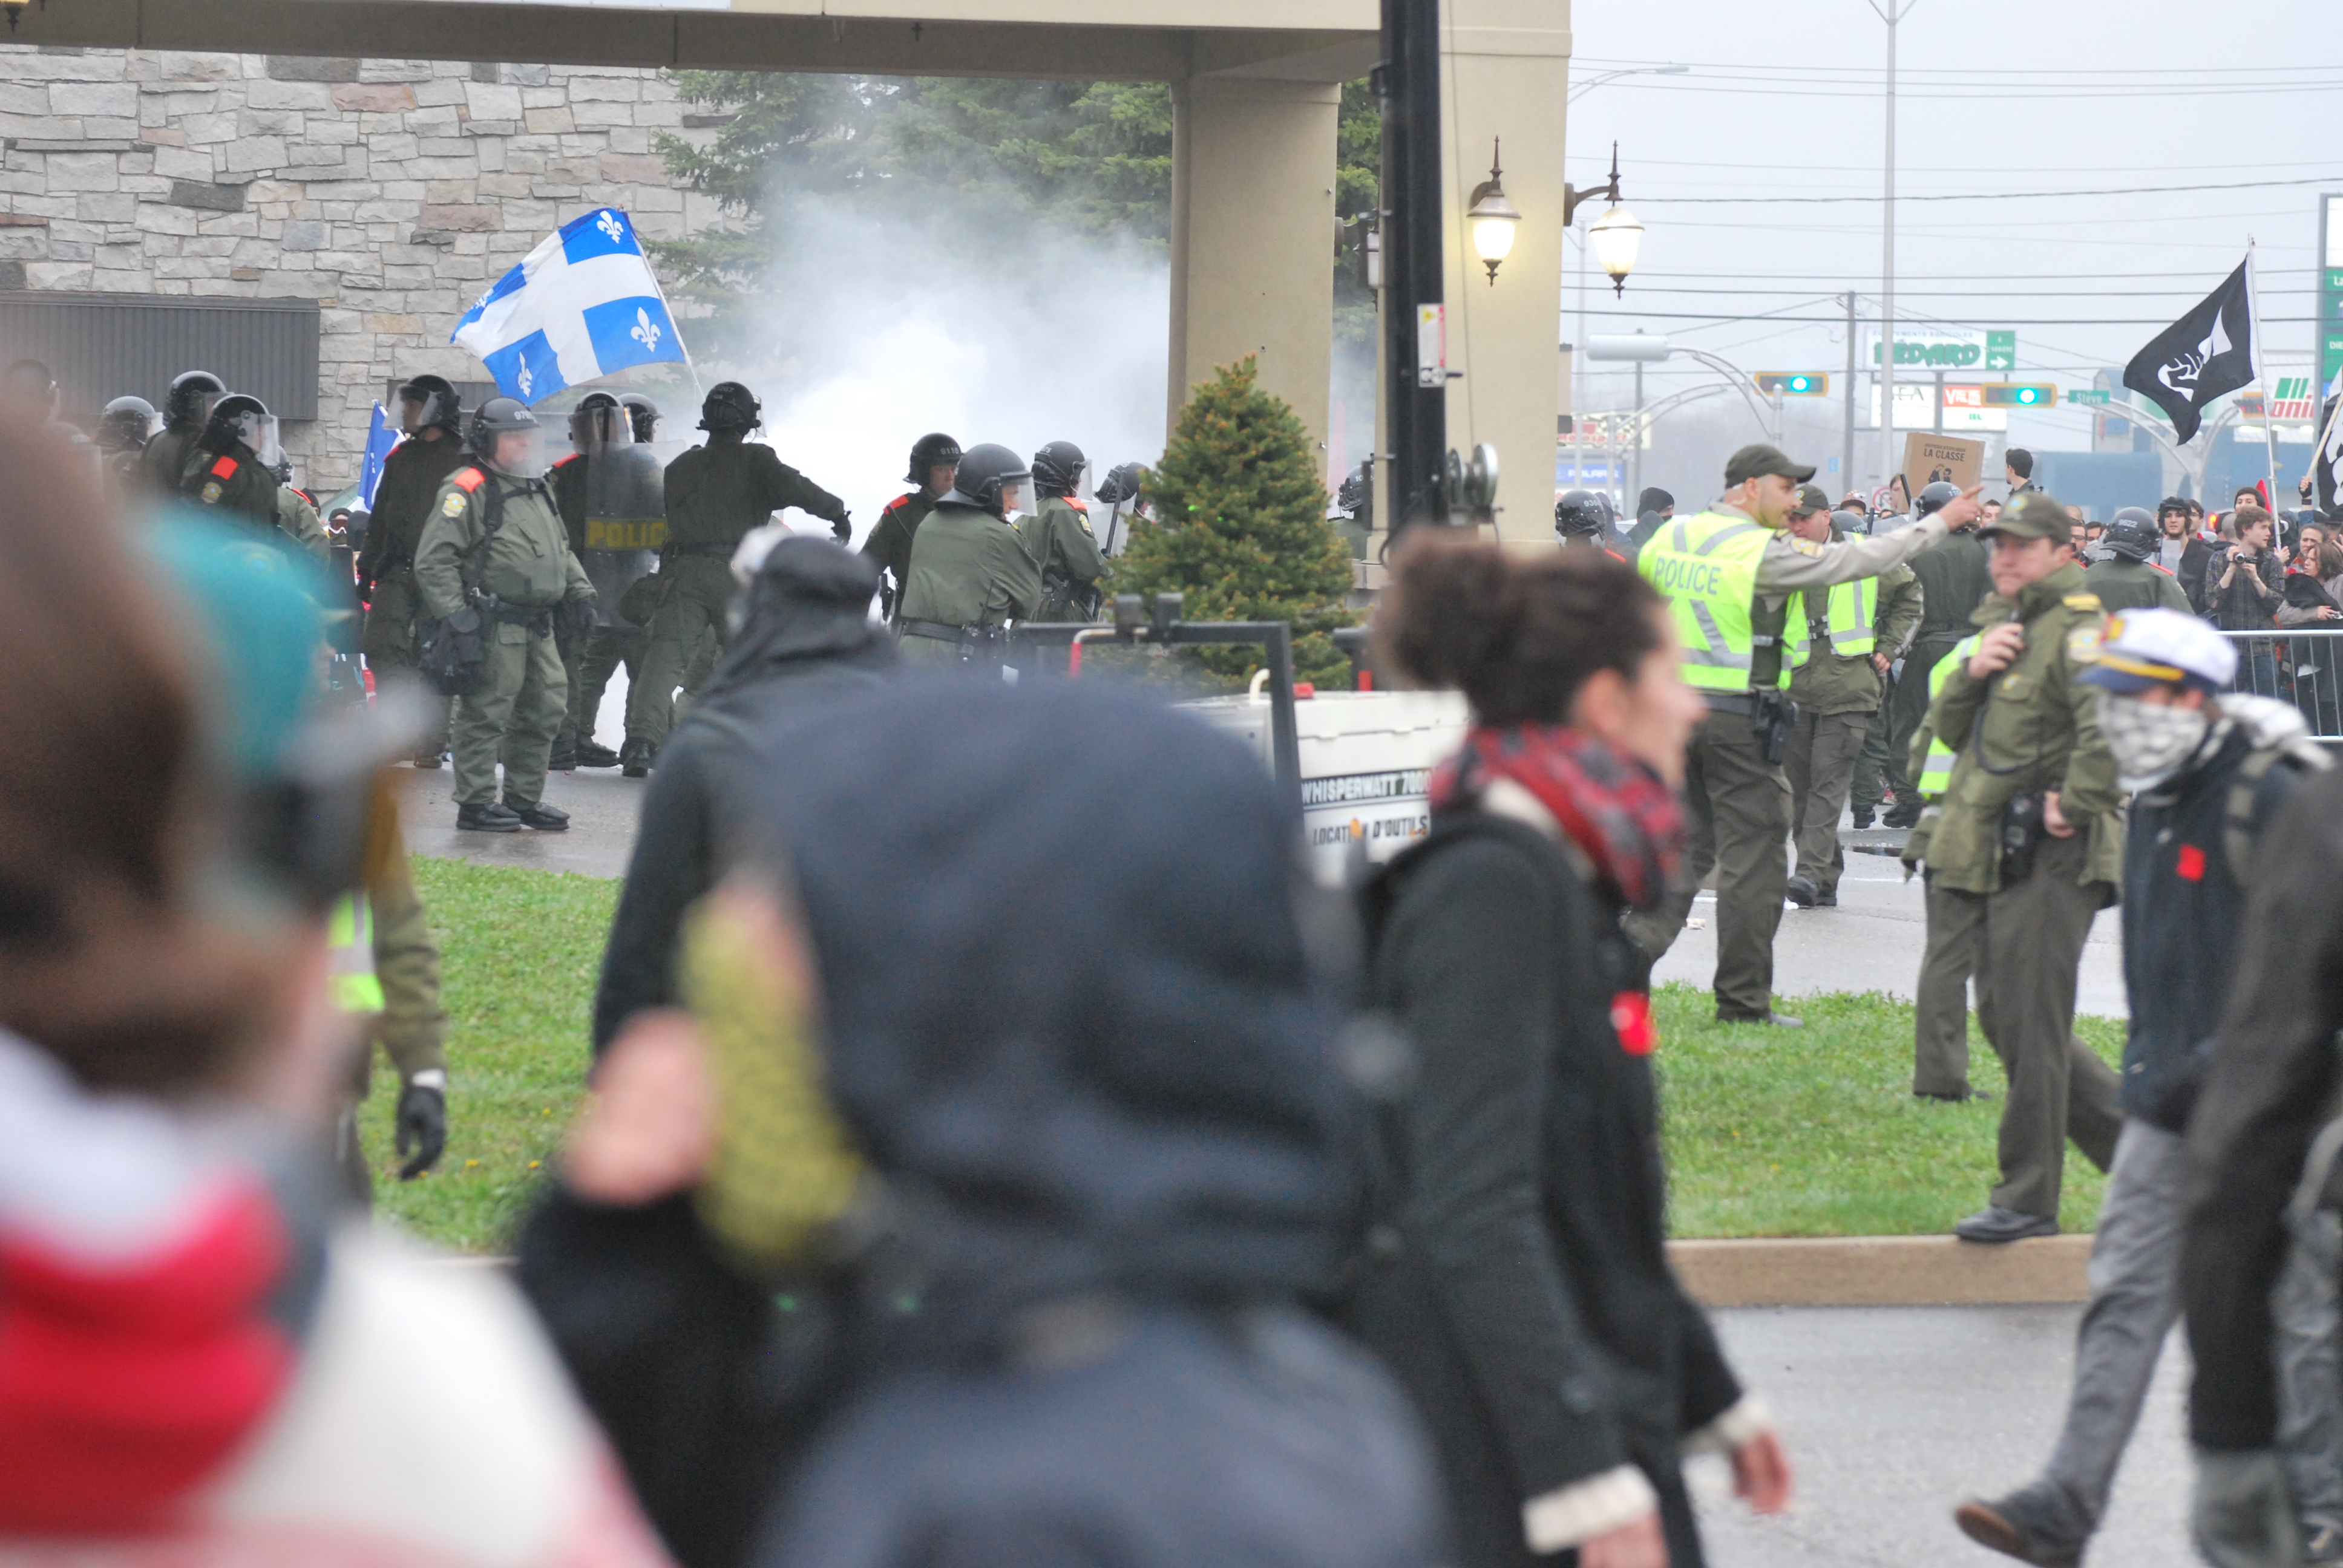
{"x":1937,"y":767}
{"x":349,"y":933}
{"x":1706,"y":569}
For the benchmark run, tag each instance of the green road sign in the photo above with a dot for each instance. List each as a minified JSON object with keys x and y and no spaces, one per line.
{"x":2001,"y":351}
{"x":2020,"y":395}
{"x":1793,"y":383}
{"x":2098,"y":397}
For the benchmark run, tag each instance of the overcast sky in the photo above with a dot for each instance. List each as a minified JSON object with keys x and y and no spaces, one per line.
{"x":1784,"y":100}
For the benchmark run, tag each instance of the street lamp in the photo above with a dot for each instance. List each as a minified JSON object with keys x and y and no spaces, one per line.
{"x":1492,"y":217}
{"x":1616,"y":235}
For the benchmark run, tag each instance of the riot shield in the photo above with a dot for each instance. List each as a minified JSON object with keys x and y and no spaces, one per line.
{"x":626,"y":505}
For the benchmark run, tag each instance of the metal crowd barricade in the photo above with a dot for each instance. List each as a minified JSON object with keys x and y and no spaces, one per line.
{"x":2298,"y":663}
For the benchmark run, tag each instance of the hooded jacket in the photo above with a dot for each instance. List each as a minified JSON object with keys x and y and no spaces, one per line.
{"x":806,"y":644}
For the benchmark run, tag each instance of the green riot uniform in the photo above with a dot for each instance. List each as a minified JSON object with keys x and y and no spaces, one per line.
{"x":231,"y":484}
{"x":163,"y":459}
{"x":970,"y":572}
{"x":411,"y":478}
{"x":2029,"y":728}
{"x":2123,"y":584}
{"x":1837,"y":689}
{"x":1940,"y":1028}
{"x":715,"y":495}
{"x":296,"y":519}
{"x":890,"y":544}
{"x":529,"y":568}
{"x":1734,"y":587}
{"x":613,"y":642}
{"x":1063,"y":548}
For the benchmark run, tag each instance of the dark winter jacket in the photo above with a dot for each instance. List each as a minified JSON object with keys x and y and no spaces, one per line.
{"x":1115,"y":1149}
{"x":806,"y":645}
{"x":2272,"y":1078}
{"x":2256,"y":588}
{"x":1531,"y":1310}
{"x":2182,"y":904}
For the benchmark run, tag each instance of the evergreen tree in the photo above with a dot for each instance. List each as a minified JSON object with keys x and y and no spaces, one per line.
{"x":1240,"y":527}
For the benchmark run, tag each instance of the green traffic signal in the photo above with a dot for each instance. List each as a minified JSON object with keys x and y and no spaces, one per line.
{"x":1793,"y":383}
{"x":2020,"y":395}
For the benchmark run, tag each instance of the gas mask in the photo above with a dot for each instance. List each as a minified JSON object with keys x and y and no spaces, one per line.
{"x":2151,"y":743}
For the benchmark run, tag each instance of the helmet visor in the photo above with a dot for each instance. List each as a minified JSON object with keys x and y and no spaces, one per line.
{"x":259,"y":432}
{"x":1016,"y":496}
{"x":420,"y":407}
{"x":520,"y":453}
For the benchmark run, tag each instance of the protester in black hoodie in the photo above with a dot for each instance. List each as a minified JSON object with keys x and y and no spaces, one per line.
{"x":1522,"y":1292}
{"x":1110,"y":1141}
{"x":806,"y":643}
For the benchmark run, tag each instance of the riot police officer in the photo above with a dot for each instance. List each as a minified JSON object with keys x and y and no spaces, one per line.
{"x":610,"y":492}
{"x":970,"y":572}
{"x":714,"y":495}
{"x":1735,"y":579}
{"x":1953,"y":582}
{"x":296,"y":511}
{"x":124,"y":429}
{"x":934,"y":455}
{"x":495,"y":544}
{"x":2129,"y":578}
{"x":187,"y":409}
{"x":431,"y":414}
{"x":1058,"y":535}
{"x":1354,"y":506}
{"x":229,"y":469}
{"x":1580,"y":518}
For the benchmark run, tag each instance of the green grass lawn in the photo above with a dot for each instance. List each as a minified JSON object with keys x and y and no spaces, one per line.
{"x":1770,"y":1132}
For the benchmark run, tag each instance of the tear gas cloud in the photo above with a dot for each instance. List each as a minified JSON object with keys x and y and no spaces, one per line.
{"x":873,"y":330}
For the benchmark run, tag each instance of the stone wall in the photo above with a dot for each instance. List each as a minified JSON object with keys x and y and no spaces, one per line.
{"x":393,"y":192}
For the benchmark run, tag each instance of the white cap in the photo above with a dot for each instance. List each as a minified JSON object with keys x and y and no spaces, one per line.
{"x":2145,"y":647}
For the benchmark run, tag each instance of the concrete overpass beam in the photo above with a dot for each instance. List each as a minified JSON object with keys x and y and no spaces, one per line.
{"x":1252,"y":237}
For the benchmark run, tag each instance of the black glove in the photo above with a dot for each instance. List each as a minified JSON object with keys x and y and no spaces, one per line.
{"x":842,"y":528}
{"x":422,"y":1122}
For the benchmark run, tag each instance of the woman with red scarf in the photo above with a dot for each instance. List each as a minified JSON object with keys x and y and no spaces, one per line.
{"x":1522,"y":1289}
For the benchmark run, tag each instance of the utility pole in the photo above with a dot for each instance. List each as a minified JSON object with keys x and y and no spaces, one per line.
{"x":1892,"y":13}
{"x":1414,"y":314}
{"x":1940,"y":403}
{"x":1846,"y":448}
{"x":1632,"y":490}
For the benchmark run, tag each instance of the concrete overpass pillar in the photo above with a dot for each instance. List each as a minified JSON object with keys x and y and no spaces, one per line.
{"x":1507,"y":76}
{"x":1252,"y":237}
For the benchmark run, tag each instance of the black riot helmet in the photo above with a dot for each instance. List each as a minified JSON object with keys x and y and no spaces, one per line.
{"x":986,"y":472}
{"x":1123,"y":483}
{"x":504,"y":417}
{"x":730,"y":406}
{"x":437,"y":402}
{"x":1057,"y":468}
{"x":234,"y":417}
{"x":1356,"y":494}
{"x":642,"y":413}
{"x":593,"y":420}
{"x":126,"y":425}
{"x":2132,"y":534}
{"x":1579,"y":515}
{"x":1935,"y":498}
{"x":928,"y":451}
{"x":189,"y":404}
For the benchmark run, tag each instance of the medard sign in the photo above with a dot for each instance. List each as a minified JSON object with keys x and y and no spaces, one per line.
{"x":1930,"y":347}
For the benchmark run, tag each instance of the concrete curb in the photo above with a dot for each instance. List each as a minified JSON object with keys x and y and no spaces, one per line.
{"x":1882,"y":1271}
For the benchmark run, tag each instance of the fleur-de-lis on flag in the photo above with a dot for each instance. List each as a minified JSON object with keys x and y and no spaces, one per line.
{"x":609,"y":224}
{"x":647,"y":331}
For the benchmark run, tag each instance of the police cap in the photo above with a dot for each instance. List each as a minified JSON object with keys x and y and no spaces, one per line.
{"x":1810,"y":500}
{"x":1762,"y":457}
{"x":2033,"y":516}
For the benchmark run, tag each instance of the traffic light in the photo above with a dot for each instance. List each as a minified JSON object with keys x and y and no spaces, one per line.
{"x":1793,"y":383}
{"x":2020,"y":395}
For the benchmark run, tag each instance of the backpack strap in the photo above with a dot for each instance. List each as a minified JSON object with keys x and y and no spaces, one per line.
{"x":2238,"y":812}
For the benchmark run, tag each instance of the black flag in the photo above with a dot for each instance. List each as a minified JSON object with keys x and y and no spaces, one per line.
{"x":2326,"y":463}
{"x":2207,"y":352}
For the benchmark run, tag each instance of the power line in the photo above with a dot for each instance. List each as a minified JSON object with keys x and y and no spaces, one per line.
{"x":1990,"y":196}
{"x":2001,"y":320}
{"x":1902,"y":277}
{"x":1643,"y":288}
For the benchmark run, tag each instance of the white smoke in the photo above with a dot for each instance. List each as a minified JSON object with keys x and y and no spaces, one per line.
{"x":876,"y":329}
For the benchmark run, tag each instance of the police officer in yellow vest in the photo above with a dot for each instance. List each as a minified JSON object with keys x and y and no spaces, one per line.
{"x":1940,"y":1030}
{"x":1855,"y":632}
{"x":1734,"y":576}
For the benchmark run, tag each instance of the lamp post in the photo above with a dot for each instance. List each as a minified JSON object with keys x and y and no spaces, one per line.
{"x":1892,"y":13}
{"x":1492,"y":217}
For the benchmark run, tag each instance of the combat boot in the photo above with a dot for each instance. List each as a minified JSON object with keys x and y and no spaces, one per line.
{"x":537,"y":814}
{"x":635,"y":760}
{"x":562,"y":762}
{"x":594,"y":754}
{"x":432,"y":758}
{"x":486,"y":816}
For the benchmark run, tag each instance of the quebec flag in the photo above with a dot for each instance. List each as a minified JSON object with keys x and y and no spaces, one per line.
{"x":578,"y":308}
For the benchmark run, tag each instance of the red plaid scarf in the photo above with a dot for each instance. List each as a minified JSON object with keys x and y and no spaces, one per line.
{"x":1619,"y":812}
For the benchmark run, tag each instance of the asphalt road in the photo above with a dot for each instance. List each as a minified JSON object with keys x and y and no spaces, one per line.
{"x":1873,"y":941}
{"x":1895,"y":1414}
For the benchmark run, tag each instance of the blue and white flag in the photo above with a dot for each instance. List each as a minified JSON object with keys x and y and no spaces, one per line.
{"x":578,"y":308}
{"x":381,"y":436}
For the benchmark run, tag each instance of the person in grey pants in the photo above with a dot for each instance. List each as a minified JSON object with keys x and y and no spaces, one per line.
{"x":2208,"y":773}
